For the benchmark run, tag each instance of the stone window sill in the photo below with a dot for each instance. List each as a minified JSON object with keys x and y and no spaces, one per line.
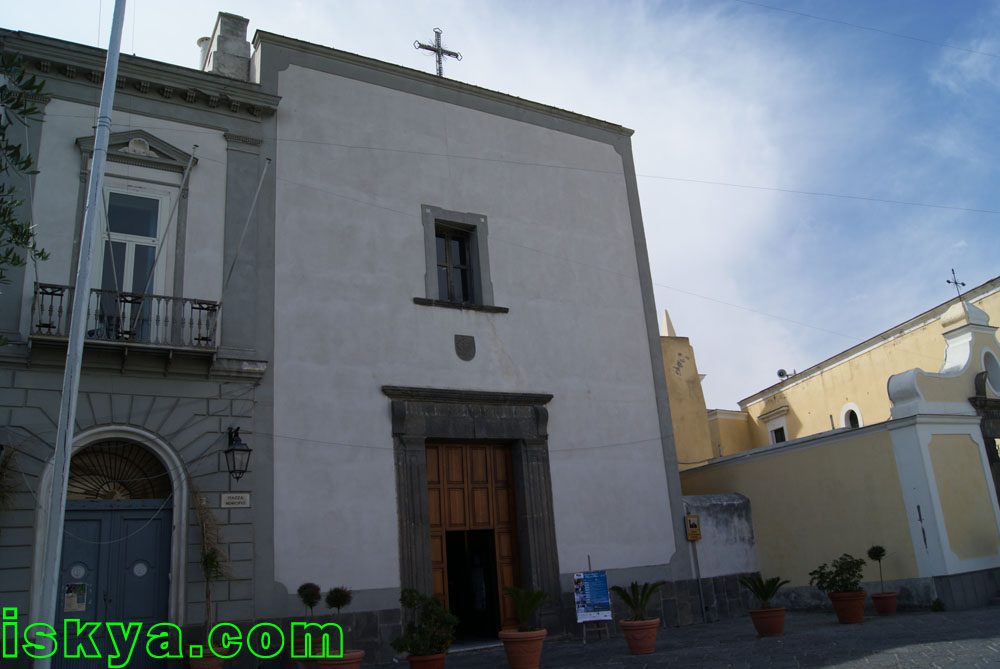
{"x":424,"y":302}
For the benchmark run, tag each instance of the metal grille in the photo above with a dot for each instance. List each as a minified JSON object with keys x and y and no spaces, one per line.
{"x":117,"y":470}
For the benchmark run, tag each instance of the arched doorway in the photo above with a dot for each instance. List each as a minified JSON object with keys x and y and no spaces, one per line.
{"x":116,"y":542}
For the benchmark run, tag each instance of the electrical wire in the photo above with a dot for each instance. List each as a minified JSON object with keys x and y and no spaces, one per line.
{"x":859,"y":26}
{"x":709,"y":182}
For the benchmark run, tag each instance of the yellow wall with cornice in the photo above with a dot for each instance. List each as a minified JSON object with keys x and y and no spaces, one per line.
{"x":813,"y":503}
{"x":729,"y":431}
{"x":860,"y":380}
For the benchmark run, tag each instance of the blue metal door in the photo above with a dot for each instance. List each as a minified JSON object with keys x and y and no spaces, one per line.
{"x":115,"y":568}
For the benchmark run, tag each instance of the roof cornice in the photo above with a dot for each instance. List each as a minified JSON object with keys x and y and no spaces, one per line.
{"x":263,"y":37}
{"x":57,"y":59}
{"x":979,"y":292}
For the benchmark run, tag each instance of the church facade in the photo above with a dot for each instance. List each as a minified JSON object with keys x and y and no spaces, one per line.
{"x":425,"y":305}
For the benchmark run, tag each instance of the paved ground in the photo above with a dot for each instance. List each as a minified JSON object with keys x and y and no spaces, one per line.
{"x":924,"y":639}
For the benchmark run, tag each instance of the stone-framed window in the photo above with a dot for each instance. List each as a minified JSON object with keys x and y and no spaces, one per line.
{"x":777,"y":428}
{"x":457,"y":260}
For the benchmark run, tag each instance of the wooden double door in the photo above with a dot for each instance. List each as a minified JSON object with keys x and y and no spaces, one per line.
{"x":473,"y":527}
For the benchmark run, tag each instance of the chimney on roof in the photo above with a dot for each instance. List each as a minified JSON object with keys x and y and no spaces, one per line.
{"x":227,"y":51}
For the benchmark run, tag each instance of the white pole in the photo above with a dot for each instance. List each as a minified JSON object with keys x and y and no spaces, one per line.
{"x":51,"y":565}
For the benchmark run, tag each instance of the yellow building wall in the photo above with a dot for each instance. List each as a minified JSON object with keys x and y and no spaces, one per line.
{"x":860,"y":380}
{"x":965,"y":496}
{"x":729,"y":432}
{"x":687,"y":402}
{"x":812,"y":504}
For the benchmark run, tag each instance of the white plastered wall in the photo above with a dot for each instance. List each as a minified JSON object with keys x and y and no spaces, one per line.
{"x":355,"y":162}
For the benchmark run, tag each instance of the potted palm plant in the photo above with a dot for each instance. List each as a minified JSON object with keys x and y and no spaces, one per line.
{"x":338,"y":598}
{"x":842,"y":584}
{"x":429,"y":634}
{"x":214,"y":563}
{"x":767,"y":620}
{"x":885,"y":602}
{"x":639,"y":631}
{"x":523,"y":645}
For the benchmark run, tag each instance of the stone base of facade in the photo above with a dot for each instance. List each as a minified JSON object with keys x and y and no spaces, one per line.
{"x":957,"y":592}
{"x":678,"y":603}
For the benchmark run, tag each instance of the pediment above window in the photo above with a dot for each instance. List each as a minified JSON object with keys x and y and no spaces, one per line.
{"x":138,"y":147}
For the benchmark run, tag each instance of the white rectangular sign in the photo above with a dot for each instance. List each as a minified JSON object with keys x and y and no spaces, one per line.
{"x":235,"y":500}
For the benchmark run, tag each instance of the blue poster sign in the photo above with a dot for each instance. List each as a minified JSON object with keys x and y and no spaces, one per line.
{"x":590,"y":593}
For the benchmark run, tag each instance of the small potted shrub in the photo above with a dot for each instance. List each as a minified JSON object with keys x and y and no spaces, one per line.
{"x":523,"y":645}
{"x":428,"y":636}
{"x":639,"y":631}
{"x":885,"y":602}
{"x":309,"y":594}
{"x":842,"y":584}
{"x":338,"y":598}
{"x":767,"y":620}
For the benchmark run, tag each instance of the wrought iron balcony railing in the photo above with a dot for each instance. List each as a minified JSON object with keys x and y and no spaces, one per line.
{"x":128,"y":318}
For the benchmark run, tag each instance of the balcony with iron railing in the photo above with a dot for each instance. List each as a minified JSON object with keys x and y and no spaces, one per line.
{"x":133,"y":319}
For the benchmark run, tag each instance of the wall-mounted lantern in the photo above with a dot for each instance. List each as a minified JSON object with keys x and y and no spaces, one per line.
{"x":237,"y":455}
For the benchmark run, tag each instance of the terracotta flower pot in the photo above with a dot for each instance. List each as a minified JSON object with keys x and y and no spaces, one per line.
{"x":523,"y":649}
{"x":885,"y":603}
{"x":640,"y":635}
{"x":849,"y":606}
{"x":427,"y":661}
{"x":350,"y":660}
{"x":768,"y":622}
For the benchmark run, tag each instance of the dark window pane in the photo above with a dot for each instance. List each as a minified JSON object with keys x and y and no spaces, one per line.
{"x":461,"y":277}
{"x":142,"y":268}
{"x":132,"y":215}
{"x":457,"y":251}
{"x":441,"y":250}
{"x":113,"y":272}
{"x":443,"y":283}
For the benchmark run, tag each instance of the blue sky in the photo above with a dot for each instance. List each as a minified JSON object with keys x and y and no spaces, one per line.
{"x":718,"y":92}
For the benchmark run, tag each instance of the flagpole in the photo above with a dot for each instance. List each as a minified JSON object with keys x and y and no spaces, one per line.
{"x":51,"y":564}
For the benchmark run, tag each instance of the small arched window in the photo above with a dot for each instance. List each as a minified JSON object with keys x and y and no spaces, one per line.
{"x":850,"y":416}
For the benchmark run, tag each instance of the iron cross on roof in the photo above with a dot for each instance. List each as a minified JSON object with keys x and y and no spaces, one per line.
{"x":438,"y":50}
{"x":954,"y":281}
